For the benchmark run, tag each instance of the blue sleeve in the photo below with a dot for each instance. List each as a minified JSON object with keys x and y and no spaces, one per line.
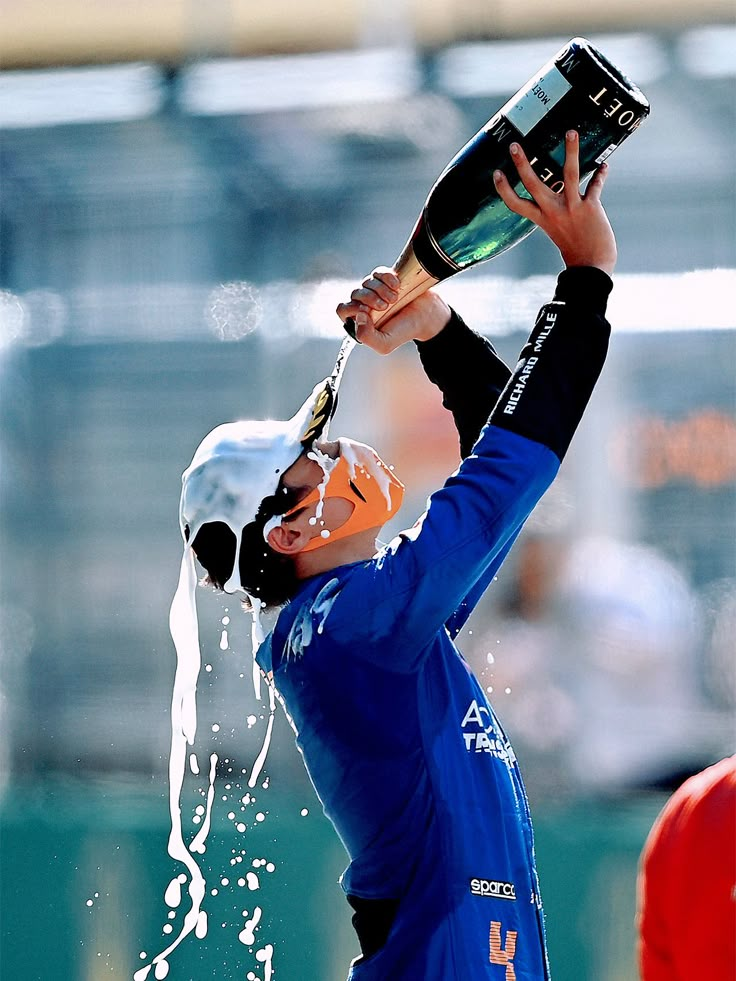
{"x":466,"y":368}
{"x":430,"y":576}
{"x":391,"y":608}
{"x":468,"y":603}
{"x":471,"y":376}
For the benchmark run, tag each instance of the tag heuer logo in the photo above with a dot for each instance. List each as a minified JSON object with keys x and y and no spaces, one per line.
{"x":492,"y":888}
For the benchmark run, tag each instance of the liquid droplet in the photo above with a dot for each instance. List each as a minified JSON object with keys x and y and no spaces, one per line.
{"x":247,"y":934}
{"x":200,"y":931}
{"x":172,"y":896}
{"x":265,"y":955}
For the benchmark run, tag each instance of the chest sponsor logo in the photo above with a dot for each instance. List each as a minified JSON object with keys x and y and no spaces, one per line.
{"x":480,"y":735}
{"x":492,"y":888}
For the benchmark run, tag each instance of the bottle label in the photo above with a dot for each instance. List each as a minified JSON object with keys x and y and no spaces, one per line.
{"x":606,"y":153}
{"x":536,"y":99}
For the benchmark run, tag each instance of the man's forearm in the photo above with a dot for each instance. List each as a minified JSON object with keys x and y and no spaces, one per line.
{"x":559,"y":365}
{"x":468,"y":372}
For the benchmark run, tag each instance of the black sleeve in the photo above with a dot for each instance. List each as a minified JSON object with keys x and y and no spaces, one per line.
{"x":559,"y":365}
{"x":468,"y":372}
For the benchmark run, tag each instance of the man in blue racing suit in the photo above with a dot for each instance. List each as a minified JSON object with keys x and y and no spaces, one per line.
{"x":403,"y":748}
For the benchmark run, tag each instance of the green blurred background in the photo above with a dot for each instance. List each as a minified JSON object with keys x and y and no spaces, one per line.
{"x":185,"y":195}
{"x":69,"y":844}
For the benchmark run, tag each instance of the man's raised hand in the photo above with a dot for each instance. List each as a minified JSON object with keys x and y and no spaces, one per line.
{"x":575,"y":222}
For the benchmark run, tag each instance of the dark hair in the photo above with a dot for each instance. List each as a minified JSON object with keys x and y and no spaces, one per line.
{"x":264,"y":573}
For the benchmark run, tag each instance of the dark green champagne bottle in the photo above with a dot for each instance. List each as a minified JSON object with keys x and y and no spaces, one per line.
{"x":464,"y":221}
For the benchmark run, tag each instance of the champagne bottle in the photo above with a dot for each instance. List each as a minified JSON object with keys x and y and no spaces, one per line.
{"x":464,"y":221}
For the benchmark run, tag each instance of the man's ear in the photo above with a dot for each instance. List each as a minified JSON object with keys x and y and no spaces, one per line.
{"x":287,"y":539}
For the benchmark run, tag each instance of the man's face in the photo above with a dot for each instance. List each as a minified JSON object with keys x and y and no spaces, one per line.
{"x":305,"y":473}
{"x":339,"y":489}
{"x":302,"y":477}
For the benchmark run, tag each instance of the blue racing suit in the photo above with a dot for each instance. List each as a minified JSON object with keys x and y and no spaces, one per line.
{"x":403,"y":748}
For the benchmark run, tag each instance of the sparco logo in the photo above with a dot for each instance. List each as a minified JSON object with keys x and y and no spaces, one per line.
{"x":492,"y":887}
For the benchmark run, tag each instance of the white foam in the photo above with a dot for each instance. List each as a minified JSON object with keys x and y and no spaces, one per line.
{"x":256,"y":637}
{"x":200,"y":931}
{"x":265,"y":956}
{"x":327,"y":465}
{"x":247,"y":935}
{"x":185,"y":634}
{"x":198,"y":844}
{"x":269,"y":526}
{"x":363,"y":458}
{"x":172,"y":896}
{"x":261,"y":758}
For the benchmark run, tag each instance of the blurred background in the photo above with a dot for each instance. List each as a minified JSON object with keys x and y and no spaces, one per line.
{"x":187,"y":191}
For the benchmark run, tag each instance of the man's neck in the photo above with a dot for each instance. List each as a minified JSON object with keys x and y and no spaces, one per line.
{"x":355,"y":548}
